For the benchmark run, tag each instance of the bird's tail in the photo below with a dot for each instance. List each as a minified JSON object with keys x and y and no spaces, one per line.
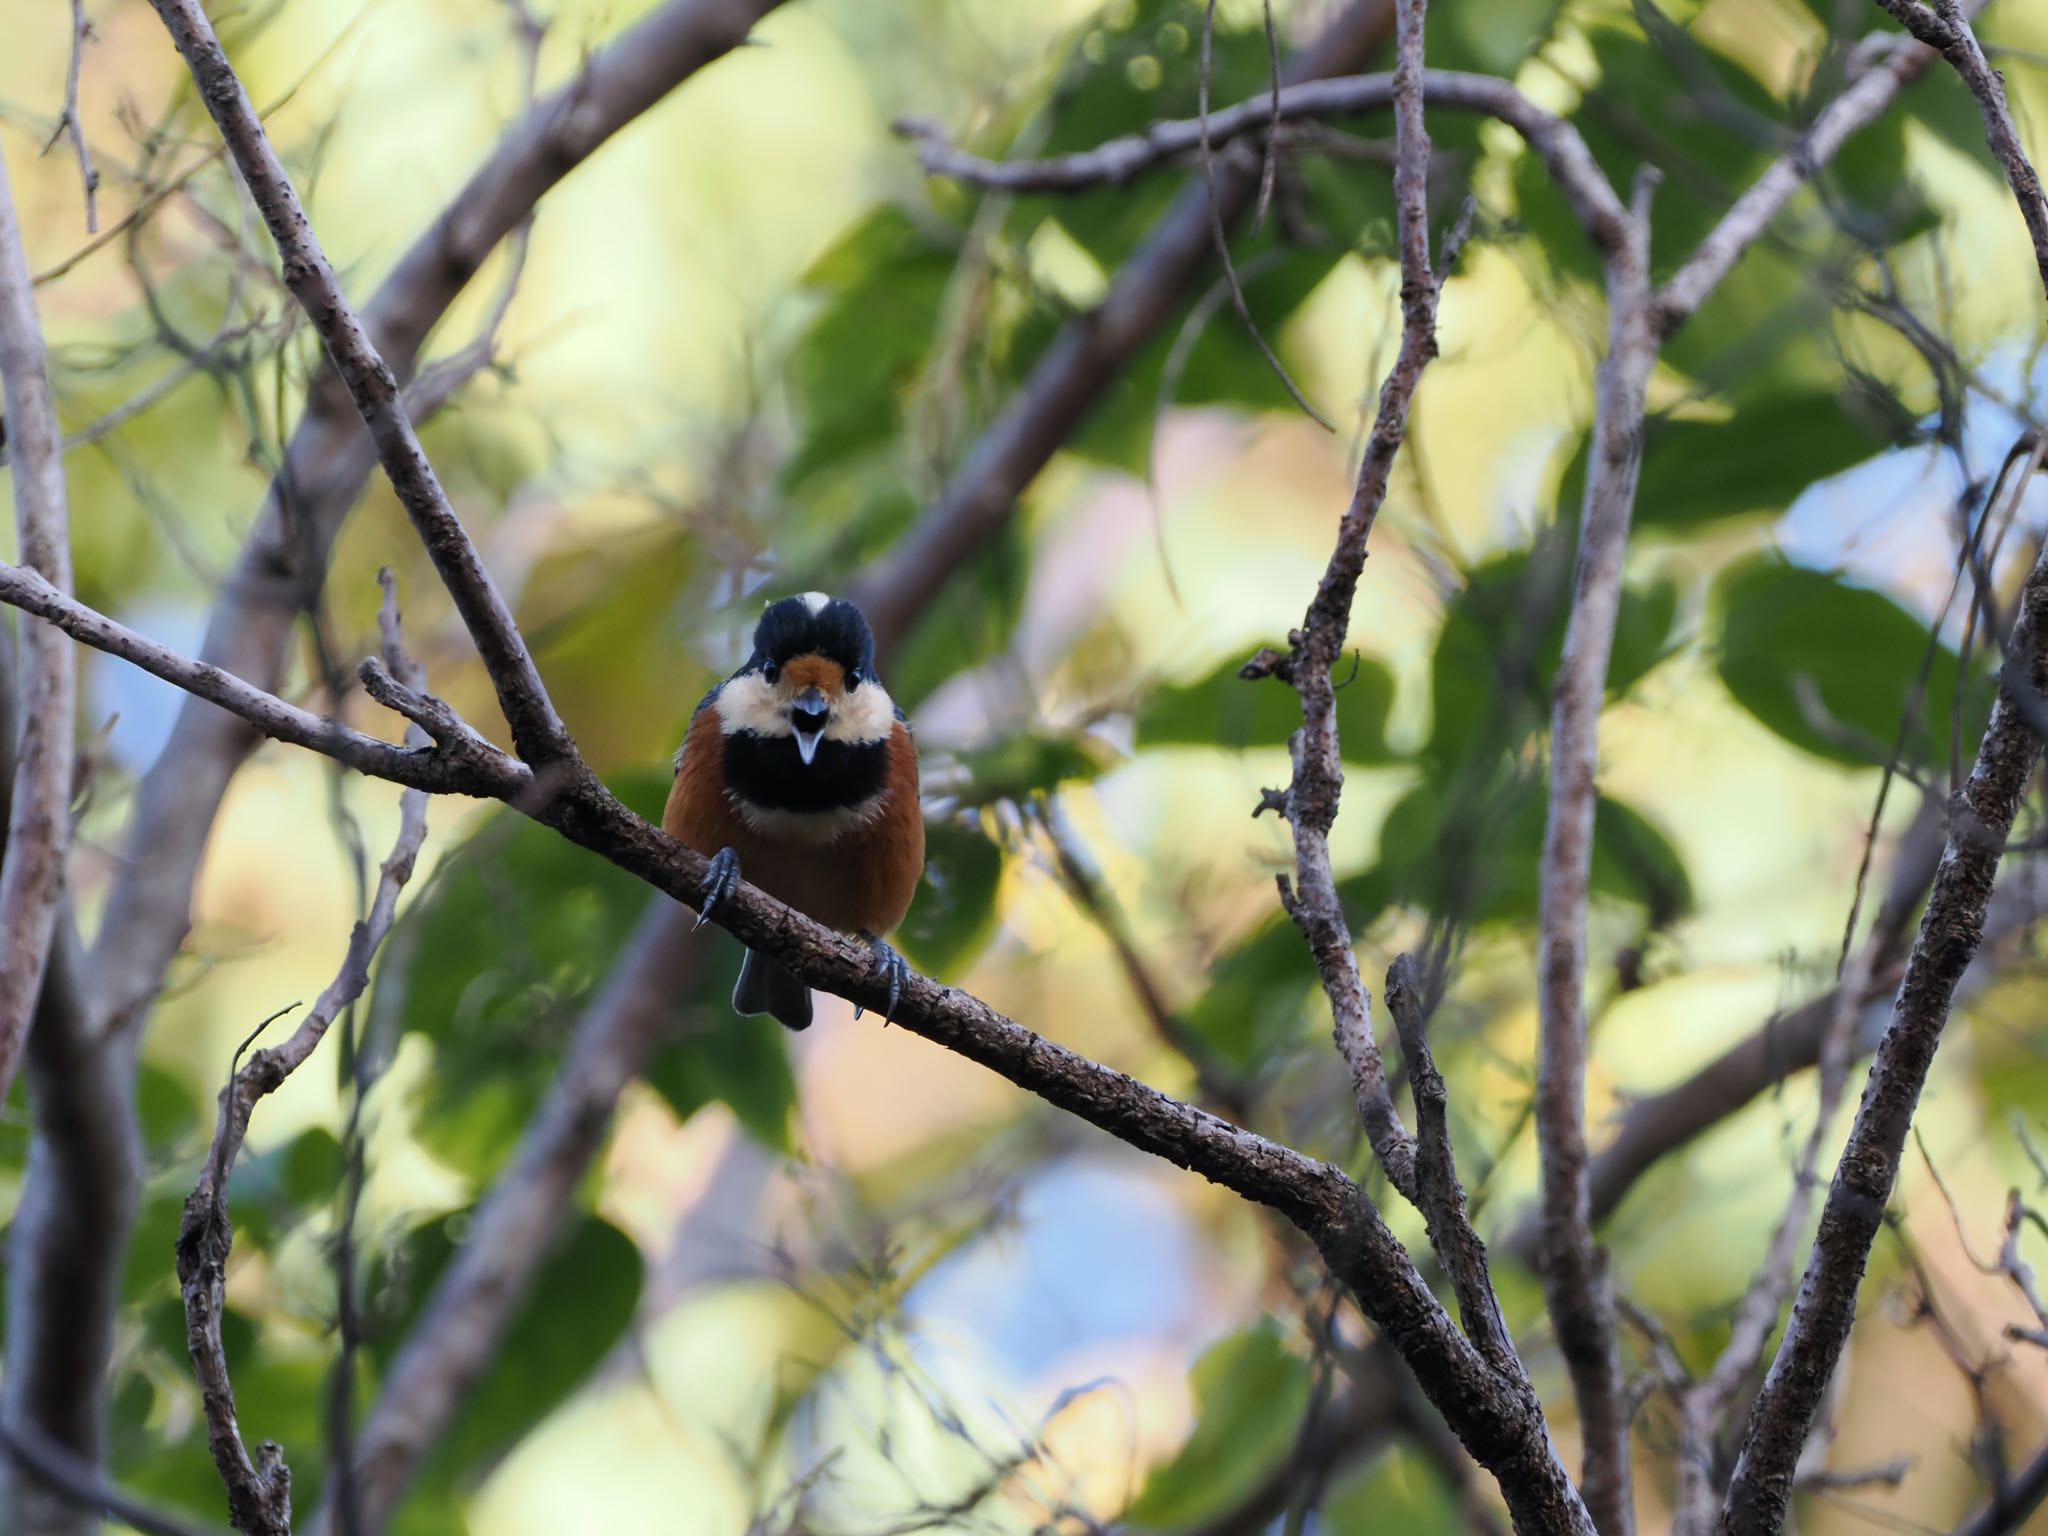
{"x":765,"y":987}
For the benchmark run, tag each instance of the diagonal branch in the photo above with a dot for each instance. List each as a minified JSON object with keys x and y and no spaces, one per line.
{"x":537,"y":731}
{"x":1981,"y":817}
{"x":461,"y":764}
{"x":1439,"y":1194}
{"x":39,"y":818}
{"x":1944,"y":27}
{"x":1981,"y":821}
{"x":1310,"y":802}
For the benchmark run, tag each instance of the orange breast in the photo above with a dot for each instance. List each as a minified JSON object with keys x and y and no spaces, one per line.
{"x":863,"y":880}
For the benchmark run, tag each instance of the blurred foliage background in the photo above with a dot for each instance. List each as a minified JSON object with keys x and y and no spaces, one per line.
{"x":846,"y":1282}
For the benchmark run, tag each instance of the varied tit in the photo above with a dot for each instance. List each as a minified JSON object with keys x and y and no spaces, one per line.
{"x":799,"y":768}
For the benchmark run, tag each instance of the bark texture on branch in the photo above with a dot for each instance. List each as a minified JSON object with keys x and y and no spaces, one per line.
{"x":39,"y":818}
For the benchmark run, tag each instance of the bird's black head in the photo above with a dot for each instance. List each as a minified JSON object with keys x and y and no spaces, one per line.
{"x":810,"y":683}
{"x":813,"y":624}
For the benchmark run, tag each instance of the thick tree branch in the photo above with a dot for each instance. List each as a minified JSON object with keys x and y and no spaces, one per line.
{"x":1981,"y":816}
{"x":1981,"y":819}
{"x":537,"y":730}
{"x":39,"y":818}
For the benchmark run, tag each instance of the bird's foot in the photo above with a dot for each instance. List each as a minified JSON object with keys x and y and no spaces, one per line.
{"x":719,"y":881}
{"x":892,"y":966}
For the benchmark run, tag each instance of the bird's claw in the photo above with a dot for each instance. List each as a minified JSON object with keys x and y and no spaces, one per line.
{"x":719,"y":881}
{"x":891,"y":965}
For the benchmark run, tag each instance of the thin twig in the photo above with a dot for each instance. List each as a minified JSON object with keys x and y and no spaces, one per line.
{"x":1440,"y":1195}
{"x":461,"y":762}
{"x":259,"y":1486}
{"x":68,"y":120}
{"x":1944,"y":25}
{"x":1221,"y":236}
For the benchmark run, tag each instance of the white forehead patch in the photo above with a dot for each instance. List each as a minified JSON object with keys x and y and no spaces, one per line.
{"x":817,"y":602}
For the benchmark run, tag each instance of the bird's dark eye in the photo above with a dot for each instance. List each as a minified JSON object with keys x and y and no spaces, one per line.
{"x":854,"y":678}
{"x":772,"y":672}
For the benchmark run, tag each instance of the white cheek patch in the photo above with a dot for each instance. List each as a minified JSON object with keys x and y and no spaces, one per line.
{"x":867,"y":714}
{"x":749,"y":703}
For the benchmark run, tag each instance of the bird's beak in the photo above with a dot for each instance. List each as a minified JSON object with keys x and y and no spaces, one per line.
{"x":807,"y":721}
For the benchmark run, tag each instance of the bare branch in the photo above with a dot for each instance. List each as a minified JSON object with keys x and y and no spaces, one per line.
{"x":1310,"y":802}
{"x":68,"y":121}
{"x":462,"y":765}
{"x":1440,"y":1195}
{"x":1981,"y":818}
{"x":537,"y":731}
{"x":1555,"y":141}
{"x":1944,"y":26}
{"x":259,"y":1487}
{"x":39,"y":818}
{"x":2010,"y":1506}
{"x":1889,"y":65}
{"x":1574,"y":1271}
{"x":80,"y":1483}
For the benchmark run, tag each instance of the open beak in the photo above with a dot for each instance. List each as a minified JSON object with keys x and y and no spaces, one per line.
{"x":807,"y":722}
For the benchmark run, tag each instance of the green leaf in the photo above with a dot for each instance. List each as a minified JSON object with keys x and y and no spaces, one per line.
{"x":493,"y":965}
{"x":1251,"y":1393}
{"x":580,"y":1306}
{"x":1832,"y":668}
{"x":1224,"y":710}
{"x":1758,"y":461}
{"x":1497,"y":650}
{"x":1026,"y":764}
{"x":1252,"y":1005}
{"x":744,"y":1063}
{"x":884,"y":285}
{"x":1475,"y":858}
{"x":954,"y":910}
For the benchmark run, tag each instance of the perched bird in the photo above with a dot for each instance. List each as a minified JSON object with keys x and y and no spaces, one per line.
{"x":799,"y":769}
